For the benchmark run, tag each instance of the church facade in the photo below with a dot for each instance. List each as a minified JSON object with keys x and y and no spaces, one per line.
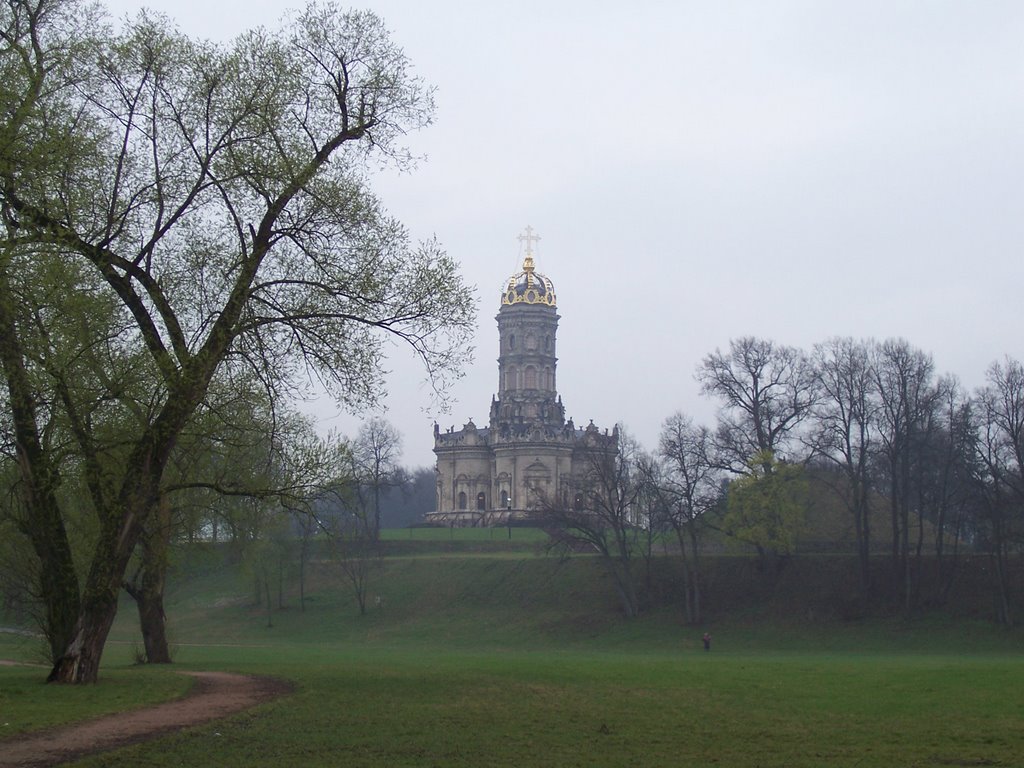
{"x":528,"y":455}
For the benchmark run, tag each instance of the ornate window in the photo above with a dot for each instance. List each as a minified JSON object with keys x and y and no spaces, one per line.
{"x":510,"y":377}
{"x":504,"y":499}
{"x":462,"y":499}
{"x":481,"y":501}
{"x":531,"y":377}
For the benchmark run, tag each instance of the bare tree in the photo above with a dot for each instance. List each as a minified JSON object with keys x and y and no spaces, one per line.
{"x":845,"y":418}
{"x":904,"y":382}
{"x":944,"y":478}
{"x":599,"y":510}
{"x":690,"y":484}
{"x":376,"y":451}
{"x":348,"y":523}
{"x":1000,"y":481}
{"x":766,"y":391}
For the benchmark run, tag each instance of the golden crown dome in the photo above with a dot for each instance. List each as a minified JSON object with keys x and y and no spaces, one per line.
{"x":529,"y":286}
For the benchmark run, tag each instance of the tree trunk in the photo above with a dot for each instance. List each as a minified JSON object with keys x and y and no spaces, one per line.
{"x":149,"y":592}
{"x":153,"y":623}
{"x":905,"y":557}
{"x":940,"y":547}
{"x":303,"y":554}
{"x":627,"y":596}
{"x":863,"y":526}
{"x":80,"y":660}
{"x":121,"y":528}
{"x":622,"y":575}
{"x":949,"y":573}
{"x":691,"y":571}
{"x":695,"y":573}
{"x":1003,"y":613}
{"x":687,"y":588}
{"x":58,"y":581}
{"x":43,"y":522}
{"x":280,"y":581}
{"x":894,"y":515}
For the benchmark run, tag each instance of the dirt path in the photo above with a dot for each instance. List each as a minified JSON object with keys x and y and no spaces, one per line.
{"x":215,"y":695}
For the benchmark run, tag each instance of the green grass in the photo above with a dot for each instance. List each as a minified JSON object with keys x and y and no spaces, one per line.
{"x":475,"y":661}
{"x":27,"y":703}
{"x":514,"y":534}
{"x":399,"y":707}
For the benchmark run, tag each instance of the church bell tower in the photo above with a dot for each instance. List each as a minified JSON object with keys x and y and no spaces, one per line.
{"x":528,"y":458}
{"x":527,"y":330}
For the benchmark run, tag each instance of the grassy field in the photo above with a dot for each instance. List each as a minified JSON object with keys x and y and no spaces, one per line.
{"x":477,"y":661}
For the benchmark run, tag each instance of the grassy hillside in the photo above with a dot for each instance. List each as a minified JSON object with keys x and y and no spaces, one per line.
{"x":475,"y":656}
{"x":481,"y":589}
{"x":482,"y":593}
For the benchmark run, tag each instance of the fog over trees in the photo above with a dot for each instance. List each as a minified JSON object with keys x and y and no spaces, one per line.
{"x":874,"y":425}
{"x":191,"y":244}
{"x":856,"y":446}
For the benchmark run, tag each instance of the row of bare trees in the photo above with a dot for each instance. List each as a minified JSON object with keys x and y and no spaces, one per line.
{"x":871,"y":424}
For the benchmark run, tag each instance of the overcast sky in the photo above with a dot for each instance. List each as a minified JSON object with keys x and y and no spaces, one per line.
{"x":703,"y":171}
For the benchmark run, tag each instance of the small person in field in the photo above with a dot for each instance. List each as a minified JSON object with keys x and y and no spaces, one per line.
{"x":707,"y":641}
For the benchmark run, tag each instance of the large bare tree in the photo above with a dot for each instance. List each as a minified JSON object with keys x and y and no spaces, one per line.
{"x":1000,"y":481}
{"x":766,"y":391}
{"x":845,"y":419}
{"x":690,"y":485}
{"x":904,"y":381}
{"x":598,"y":509}
{"x":376,"y":451}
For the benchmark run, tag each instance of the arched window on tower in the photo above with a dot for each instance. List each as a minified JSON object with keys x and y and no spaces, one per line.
{"x":462,"y":499}
{"x":511,"y":341}
{"x":531,"y":377}
{"x":510,"y":377}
